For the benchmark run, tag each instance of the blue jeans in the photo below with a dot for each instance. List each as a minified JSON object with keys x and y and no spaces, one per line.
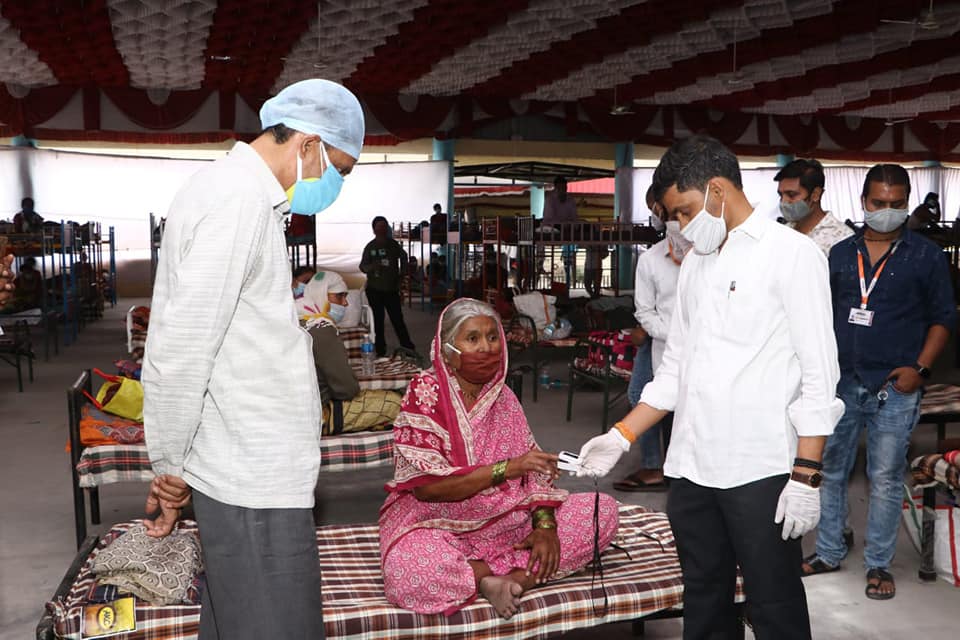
{"x":651,"y":455}
{"x":889,"y":424}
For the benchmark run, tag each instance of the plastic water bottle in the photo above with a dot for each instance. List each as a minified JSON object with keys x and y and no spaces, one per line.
{"x":367,"y":357}
{"x":543,"y":378}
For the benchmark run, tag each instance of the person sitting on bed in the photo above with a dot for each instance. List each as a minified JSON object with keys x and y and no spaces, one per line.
{"x":472,"y":507}
{"x":323,"y":305}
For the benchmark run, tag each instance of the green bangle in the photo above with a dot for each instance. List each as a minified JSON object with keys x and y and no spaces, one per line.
{"x":542,"y":514}
{"x":499,"y":473}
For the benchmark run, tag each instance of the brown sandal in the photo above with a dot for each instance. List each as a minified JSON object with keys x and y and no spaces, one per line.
{"x":873,"y":589}
{"x":817,"y":565}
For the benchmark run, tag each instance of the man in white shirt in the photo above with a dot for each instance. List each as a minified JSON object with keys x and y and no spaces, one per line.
{"x":231,"y":403}
{"x":800,"y":187}
{"x":750,"y":370}
{"x":654,"y":292}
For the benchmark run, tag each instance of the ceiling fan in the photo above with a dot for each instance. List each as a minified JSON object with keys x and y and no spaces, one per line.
{"x":619,"y":109}
{"x":927,"y":20}
{"x":738,"y":77}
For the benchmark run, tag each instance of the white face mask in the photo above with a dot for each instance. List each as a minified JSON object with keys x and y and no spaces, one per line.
{"x":337,"y":312}
{"x":885,"y":220}
{"x":706,"y":232}
{"x":678,"y":243}
{"x":656,"y":222}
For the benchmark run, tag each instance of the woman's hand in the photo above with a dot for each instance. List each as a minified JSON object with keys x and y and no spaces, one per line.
{"x":536,"y":461}
{"x":544,"y":548}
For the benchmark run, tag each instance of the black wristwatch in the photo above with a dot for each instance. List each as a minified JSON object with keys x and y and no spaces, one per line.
{"x":813,"y":480}
{"x":923,"y":371}
{"x":808,"y":463}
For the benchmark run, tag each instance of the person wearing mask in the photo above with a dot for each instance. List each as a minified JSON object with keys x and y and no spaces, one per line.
{"x":893,"y":311}
{"x":384,"y":261}
{"x":800,"y":187}
{"x":225,"y":356}
{"x":322,"y":309}
{"x":654,"y":293}
{"x":750,"y":371}
{"x":926,"y":214}
{"x":301,"y":276}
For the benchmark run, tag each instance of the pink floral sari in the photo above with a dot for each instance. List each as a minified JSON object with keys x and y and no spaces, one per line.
{"x":435,"y":436}
{"x":425,"y":546}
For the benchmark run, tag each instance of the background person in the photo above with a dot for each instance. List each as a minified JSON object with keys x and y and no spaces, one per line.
{"x":889,"y":330}
{"x":800,"y":186}
{"x":384,"y":261}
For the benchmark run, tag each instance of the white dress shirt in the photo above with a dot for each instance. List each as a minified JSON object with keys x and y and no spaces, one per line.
{"x":751,"y":358}
{"x":231,"y":401}
{"x":654,"y":293}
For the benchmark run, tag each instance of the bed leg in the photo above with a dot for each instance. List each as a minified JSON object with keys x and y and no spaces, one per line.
{"x":95,"y":505}
{"x":79,"y":514}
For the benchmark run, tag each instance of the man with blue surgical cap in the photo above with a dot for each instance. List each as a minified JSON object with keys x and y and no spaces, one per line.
{"x":231,"y":403}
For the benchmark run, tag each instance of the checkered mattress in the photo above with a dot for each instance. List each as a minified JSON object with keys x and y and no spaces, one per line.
{"x":354,"y":605}
{"x":106,"y":464}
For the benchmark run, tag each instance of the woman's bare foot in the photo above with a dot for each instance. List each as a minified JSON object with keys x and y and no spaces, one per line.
{"x":503,"y":593}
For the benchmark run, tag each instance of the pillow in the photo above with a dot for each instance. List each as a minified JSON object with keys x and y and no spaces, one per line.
{"x":541,"y":308}
{"x":354,"y":310}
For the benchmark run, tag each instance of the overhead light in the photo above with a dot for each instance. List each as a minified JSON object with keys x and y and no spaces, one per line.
{"x":221,"y":58}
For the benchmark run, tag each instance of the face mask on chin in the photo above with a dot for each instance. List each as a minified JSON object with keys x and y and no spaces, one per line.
{"x":707,"y":232}
{"x":678,"y":242}
{"x":885,"y":220}
{"x":310,"y":196}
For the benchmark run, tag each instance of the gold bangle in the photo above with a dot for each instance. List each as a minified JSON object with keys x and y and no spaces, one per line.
{"x":499,"y":473}
{"x":625,"y":432}
{"x":542,"y":514}
{"x":545,"y":524}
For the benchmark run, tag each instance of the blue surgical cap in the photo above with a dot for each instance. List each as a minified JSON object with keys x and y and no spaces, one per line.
{"x":318,"y":107}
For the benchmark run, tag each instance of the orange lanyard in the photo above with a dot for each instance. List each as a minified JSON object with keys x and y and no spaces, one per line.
{"x":865,"y":291}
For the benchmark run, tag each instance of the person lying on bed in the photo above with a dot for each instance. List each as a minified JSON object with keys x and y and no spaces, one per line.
{"x":472,"y":507}
{"x":320,"y":308}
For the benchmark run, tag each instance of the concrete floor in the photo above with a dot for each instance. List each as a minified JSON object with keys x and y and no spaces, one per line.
{"x":36,"y":530}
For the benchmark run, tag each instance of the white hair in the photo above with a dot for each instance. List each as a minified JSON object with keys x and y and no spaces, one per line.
{"x":458,"y":312}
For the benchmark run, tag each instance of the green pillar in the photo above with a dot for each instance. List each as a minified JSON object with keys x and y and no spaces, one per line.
{"x":783,"y":159}
{"x":536,"y":200}
{"x":444,"y":150}
{"x":622,"y":201}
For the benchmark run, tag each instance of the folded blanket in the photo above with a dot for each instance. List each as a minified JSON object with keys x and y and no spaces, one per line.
{"x":159,"y":571}
{"x":98,"y":427}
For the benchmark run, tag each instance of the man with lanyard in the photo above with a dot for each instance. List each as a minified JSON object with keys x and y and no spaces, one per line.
{"x":800,"y":187}
{"x":654,"y":292}
{"x":893,"y":310}
{"x":750,"y":371}
{"x":225,"y":357}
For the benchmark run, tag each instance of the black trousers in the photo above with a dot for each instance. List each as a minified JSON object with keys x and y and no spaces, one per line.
{"x":718,"y":529}
{"x":389,"y":301}
{"x":263,"y":573}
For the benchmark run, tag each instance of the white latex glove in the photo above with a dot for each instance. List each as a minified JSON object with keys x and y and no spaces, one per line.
{"x":600,"y":454}
{"x":798,"y":509}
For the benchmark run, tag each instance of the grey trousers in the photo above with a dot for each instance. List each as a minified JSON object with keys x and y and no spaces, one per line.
{"x":263,"y":573}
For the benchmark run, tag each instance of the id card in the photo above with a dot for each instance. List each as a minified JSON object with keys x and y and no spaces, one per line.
{"x":862,"y":317}
{"x":103,"y":620}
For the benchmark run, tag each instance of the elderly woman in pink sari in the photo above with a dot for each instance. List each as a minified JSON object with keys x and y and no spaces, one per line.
{"x":472,"y":508}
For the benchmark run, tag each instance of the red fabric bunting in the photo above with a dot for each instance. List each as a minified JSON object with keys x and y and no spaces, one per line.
{"x":422,"y":122}
{"x":858,"y":138}
{"x":36,"y":107}
{"x":802,"y":134}
{"x":179,"y":107}
{"x":728,"y":129}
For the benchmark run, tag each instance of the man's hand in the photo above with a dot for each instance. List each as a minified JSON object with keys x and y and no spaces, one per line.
{"x":544,"y":548}
{"x":599,"y":455}
{"x":168,"y":494}
{"x":798,"y":509}
{"x":638,"y":336}
{"x":905,"y":379}
{"x":6,"y":279}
